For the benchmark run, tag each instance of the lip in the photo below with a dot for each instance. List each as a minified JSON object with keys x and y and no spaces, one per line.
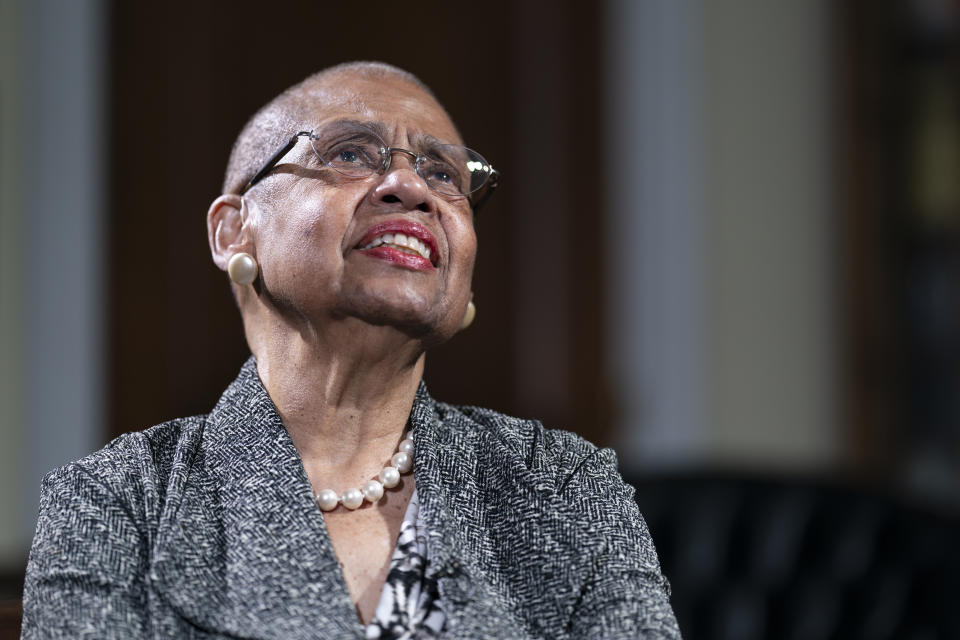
{"x":407,"y":228}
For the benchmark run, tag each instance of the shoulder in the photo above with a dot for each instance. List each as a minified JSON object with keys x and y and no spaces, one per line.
{"x":563,"y":456}
{"x":520,"y":466}
{"x":98,"y":517}
{"x":129,"y":454}
{"x":109,"y":501}
{"x":551,"y":511}
{"x":130,"y":469}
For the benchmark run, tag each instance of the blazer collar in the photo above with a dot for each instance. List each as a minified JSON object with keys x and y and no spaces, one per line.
{"x":472,"y":487}
{"x":242,"y":548}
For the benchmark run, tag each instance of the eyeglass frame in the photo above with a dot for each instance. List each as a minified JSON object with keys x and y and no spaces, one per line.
{"x":486,"y":190}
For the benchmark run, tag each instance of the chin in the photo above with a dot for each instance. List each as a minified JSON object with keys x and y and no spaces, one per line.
{"x":427,"y":328}
{"x":422,"y":318}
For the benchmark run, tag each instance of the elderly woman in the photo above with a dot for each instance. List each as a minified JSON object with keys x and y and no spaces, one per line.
{"x":327,"y":495}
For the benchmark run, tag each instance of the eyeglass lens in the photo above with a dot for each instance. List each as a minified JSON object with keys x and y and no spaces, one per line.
{"x":357,"y":152}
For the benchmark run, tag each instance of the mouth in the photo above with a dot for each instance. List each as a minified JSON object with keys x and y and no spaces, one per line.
{"x":401,"y":241}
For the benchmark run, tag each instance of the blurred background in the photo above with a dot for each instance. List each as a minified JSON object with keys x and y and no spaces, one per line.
{"x":727,"y":240}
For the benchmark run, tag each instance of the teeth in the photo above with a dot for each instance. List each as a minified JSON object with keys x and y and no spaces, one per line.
{"x":401,"y":241}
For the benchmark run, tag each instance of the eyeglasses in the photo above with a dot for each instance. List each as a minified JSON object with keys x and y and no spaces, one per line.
{"x":357,"y":152}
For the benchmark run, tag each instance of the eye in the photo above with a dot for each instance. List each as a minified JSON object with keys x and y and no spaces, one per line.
{"x":353,"y":155}
{"x":349,"y":156}
{"x":442,"y":176}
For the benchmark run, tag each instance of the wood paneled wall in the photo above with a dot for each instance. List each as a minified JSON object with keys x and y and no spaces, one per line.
{"x":521,"y":80}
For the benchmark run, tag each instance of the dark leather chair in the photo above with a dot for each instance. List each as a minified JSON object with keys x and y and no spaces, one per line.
{"x":10,"y":614}
{"x":756,"y":557}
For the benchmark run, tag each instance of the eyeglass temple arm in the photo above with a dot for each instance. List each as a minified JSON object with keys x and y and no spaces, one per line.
{"x":274,"y":159}
{"x":491,"y":186}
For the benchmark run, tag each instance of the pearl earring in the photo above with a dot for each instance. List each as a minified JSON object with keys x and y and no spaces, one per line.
{"x":469,"y":315}
{"x":242,"y":268}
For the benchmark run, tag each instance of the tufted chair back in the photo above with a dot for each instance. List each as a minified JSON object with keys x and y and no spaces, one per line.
{"x":754,"y":558}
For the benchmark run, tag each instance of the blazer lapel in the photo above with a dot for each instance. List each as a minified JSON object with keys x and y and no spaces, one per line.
{"x":242,"y":548}
{"x":472,"y":491}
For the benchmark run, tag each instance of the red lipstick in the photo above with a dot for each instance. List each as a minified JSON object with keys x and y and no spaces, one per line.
{"x":416,"y":249}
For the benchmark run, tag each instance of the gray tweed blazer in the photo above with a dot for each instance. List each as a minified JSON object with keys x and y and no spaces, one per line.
{"x":206,"y":527}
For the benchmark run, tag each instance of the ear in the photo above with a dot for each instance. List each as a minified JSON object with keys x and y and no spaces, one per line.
{"x":227,"y":229}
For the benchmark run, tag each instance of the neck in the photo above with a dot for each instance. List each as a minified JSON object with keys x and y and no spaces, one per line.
{"x":344,"y":393}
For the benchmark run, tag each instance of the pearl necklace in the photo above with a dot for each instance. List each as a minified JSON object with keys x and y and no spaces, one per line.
{"x":372,"y":490}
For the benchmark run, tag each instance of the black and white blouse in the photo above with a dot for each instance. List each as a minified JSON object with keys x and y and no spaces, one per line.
{"x":409,"y":605}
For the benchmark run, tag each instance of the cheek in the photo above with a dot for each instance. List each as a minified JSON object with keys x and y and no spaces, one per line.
{"x":461,"y":236}
{"x":468,"y":252}
{"x":303,"y":239}
{"x":313,"y":217}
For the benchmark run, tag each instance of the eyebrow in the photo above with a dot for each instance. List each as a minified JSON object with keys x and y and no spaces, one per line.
{"x":419,"y":139}
{"x":372,"y":126}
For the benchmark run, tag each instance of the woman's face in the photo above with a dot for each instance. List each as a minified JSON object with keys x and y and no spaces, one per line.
{"x":312,"y":228}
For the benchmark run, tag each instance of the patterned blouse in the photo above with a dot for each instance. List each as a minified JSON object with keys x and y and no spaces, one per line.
{"x":409,"y":605}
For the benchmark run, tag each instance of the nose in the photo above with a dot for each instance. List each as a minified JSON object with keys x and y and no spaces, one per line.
{"x":401,"y":184}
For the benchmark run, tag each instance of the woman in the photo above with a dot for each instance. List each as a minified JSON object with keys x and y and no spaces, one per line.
{"x":327,"y":494}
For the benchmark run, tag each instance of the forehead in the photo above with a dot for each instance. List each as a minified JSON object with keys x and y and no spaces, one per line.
{"x":403,"y":108}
